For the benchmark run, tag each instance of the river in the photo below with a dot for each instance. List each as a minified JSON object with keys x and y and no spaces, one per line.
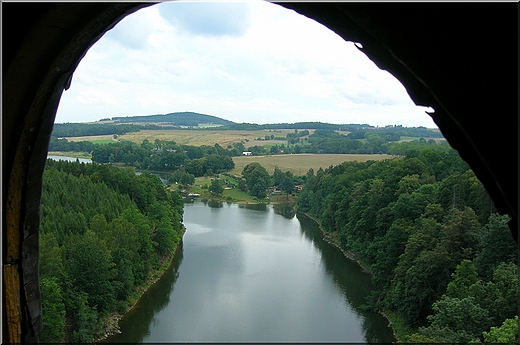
{"x":70,"y":159}
{"x":254,"y":273}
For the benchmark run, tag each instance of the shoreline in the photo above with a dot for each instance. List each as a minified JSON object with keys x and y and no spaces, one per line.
{"x":351,"y":256}
{"x":112,"y":320}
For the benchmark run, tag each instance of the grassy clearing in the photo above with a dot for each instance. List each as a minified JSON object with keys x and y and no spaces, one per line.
{"x":231,"y":195}
{"x":265,"y":143}
{"x":301,"y":163}
{"x":102,"y":141}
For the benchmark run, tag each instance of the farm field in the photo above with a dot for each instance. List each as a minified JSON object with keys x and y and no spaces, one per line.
{"x":299,"y":164}
{"x":96,"y":139}
{"x":207,"y":137}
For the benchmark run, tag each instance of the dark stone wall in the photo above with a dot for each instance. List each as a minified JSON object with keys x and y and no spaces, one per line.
{"x":460,"y":59}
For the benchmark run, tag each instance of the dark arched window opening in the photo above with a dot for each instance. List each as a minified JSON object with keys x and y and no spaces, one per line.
{"x":438,"y":53}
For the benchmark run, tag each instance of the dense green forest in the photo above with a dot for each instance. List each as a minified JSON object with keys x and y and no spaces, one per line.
{"x":443,"y":261}
{"x":61,"y":130}
{"x":168,"y":156}
{"x":256,"y":180}
{"x":104,"y":232}
{"x":177,"y":119}
{"x":398,"y":130}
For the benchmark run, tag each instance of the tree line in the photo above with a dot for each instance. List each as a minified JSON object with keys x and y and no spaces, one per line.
{"x":103,"y":232}
{"x":443,"y":261}
{"x":399,"y":130}
{"x":256,"y":181}
{"x":61,"y":130}
{"x":167,"y":156}
{"x":326,"y":141}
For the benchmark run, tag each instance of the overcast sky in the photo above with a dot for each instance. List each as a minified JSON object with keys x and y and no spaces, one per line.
{"x":249,"y":61}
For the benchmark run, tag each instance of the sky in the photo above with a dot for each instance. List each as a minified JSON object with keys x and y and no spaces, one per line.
{"x":243,"y":61}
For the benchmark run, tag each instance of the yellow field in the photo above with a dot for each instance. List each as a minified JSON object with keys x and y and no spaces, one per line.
{"x":207,"y":137}
{"x":299,"y":164}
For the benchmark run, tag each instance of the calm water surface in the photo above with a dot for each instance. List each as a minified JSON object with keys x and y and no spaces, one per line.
{"x":70,"y":159}
{"x":254,"y":273}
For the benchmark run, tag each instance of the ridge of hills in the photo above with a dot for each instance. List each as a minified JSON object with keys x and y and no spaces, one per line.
{"x":176,"y":119}
{"x":192,"y":119}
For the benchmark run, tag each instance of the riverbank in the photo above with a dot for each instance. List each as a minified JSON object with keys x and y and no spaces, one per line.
{"x":333,"y":240}
{"x":110,"y":325}
{"x":72,"y":154}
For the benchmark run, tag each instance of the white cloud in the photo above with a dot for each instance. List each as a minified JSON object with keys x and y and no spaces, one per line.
{"x":269,"y":65}
{"x":90,"y":96}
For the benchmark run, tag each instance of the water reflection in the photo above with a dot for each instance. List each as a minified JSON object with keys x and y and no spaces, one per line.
{"x":154,"y":300}
{"x":254,"y":207}
{"x":250,"y":275}
{"x":348,"y":276}
{"x":285,"y":210}
{"x":213,"y":203}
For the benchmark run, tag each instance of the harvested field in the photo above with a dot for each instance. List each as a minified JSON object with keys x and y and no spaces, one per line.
{"x":94,"y":138}
{"x":206,"y":137}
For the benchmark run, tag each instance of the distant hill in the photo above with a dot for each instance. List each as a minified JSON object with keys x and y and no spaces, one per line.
{"x":175,"y":119}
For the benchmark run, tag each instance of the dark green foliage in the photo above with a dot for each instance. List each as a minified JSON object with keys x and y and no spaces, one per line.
{"x":463,"y":317}
{"x":413,"y":220}
{"x":85,"y":319}
{"x":176,"y":119}
{"x":287,"y":183}
{"x":62,"y":144}
{"x":167,"y":156}
{"x":182,"y":177}
{"x":53,"y":311}
{"x":84,"y":129}
{"x":507,"y":333}
{"x":102,"y":229}
{"x":88,"y":269}
{"x":496,"y":246}
{"x":216,"y":187}
{"x":470,"y":306}
{"x":257,"y":179}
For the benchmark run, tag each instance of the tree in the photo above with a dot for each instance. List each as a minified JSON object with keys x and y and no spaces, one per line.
{"x":287,"y":184}
{"x":53,"y":311}
{"x":505,"y":334}
{"x":497,"y":246}
{"x":257,"y":179}
{"x":463,"y":317}
{"x":85,"y":320}
{"x":259,"y":188}
{"x":278,"y":176}
{"x":422,"y":281}
{"x":465,"y":275}
{"x":89,"y":271}
{"x":216,"y":187}
{"x":165,"y":236}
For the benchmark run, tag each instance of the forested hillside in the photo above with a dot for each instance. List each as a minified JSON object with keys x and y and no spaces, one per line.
{"x":61,"y":130}
{"x":176,"y":119}
{"x":103,"y":232}
{"x":443,"y":260}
